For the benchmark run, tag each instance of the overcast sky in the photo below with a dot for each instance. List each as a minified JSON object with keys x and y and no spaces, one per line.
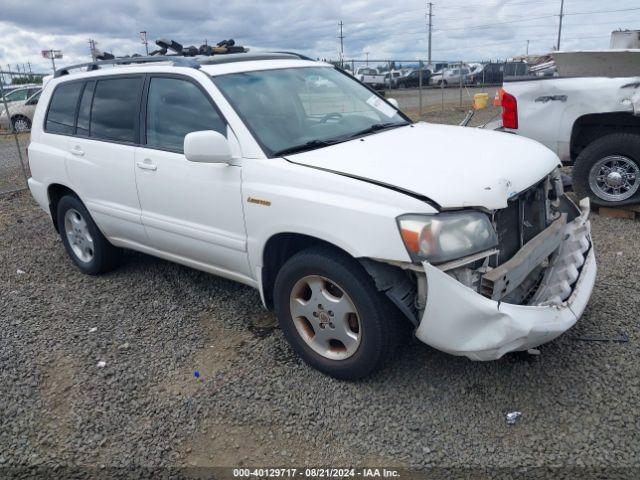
{"x":385,"y":29}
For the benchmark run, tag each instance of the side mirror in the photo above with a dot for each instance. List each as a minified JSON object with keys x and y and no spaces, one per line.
{"x":393,"y":102}
{"x":207,"y":146}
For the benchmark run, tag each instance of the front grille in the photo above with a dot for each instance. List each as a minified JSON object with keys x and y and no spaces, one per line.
{"x":524,"y":218}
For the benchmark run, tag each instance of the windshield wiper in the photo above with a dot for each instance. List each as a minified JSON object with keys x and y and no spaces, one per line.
{"x":311,"y":145}
{"x":376,"y":127}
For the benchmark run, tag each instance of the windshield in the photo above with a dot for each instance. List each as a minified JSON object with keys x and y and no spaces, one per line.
{"x":297,"y":109}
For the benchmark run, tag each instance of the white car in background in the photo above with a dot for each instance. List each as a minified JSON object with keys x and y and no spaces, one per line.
{"x":450,"y":76}
{"x":20,"y":94}
{"x":289,"y":176}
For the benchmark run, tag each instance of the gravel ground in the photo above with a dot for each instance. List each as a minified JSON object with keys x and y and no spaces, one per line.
{"x":154,"y":324}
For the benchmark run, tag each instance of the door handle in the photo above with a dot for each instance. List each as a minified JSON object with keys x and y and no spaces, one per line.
{"x":77,"y":151}
{"x":146,"y":165}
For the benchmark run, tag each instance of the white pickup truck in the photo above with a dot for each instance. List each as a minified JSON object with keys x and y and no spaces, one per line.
{"x":371,"y":77}
{"x":590,"y":122}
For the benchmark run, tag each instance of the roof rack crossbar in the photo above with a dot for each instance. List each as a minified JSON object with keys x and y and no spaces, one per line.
{"x":176,"y":60}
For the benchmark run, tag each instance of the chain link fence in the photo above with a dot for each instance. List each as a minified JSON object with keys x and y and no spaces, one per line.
{"x":439,"y":91}
{"x":13,"y":162}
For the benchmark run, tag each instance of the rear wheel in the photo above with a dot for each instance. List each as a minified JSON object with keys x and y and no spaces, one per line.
{"x":608,"y":170}
{"x":332,"y":315}
{"x":88,"y":248}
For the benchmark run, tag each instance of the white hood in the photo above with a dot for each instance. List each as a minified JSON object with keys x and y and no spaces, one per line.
{"x":453,"y":166}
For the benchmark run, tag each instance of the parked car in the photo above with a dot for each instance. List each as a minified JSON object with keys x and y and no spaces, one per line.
{"x":494,"y":73}
{"x":450,"y":76}
{"x":328,"y":200}
{"x":20,"y":114}
{"x":20,"y":94}
{"x":590,"y":122}
{"x":412,"y":80}
{"x":371,"y":77}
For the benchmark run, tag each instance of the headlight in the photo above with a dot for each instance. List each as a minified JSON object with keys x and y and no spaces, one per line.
{"x":446,"y":236}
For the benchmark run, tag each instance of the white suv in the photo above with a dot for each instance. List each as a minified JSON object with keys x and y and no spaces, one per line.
{"x":292,"y":177}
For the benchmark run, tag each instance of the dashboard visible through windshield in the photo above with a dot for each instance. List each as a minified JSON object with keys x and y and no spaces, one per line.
{"x":291,"y":110}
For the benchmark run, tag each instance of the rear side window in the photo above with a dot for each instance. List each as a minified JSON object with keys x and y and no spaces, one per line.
{"x":116,"y":104}
{"x":62,"y":109}
{"x":174,"y":108}
{"x":84,"y":111}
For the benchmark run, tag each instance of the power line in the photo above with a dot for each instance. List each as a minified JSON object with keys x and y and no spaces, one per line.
{"x":488,"y":25}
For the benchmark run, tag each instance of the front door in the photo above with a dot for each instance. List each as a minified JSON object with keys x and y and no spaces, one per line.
{"x":192,"y":212}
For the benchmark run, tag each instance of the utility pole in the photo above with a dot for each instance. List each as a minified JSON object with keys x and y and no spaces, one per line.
{"x":92,"y":49}
{"x":341,"y":37}
{"x":367,"y":54}
{"x":430,"y":28}
{"x":560,"y":26}
{"x":143,"y":39}
{"x":527,"y":48}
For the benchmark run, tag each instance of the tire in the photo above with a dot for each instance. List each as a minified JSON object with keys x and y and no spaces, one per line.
{"x":618,"y":154}
{"x":21,"y":124}
{"x":91,"y":251}
{"x":379,"y":327}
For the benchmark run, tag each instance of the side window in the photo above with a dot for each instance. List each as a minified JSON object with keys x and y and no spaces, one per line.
{"x":62,"y":109}
{"x":34,"y":99}
{"x":114,"y":115}
{"x":16,"y":96}
{"x":84,"y":112}
{"x":174,"y":108}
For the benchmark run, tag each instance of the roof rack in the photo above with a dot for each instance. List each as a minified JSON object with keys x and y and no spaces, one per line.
{"x":225,"y":51}
{"x":176,"y":60}
{"x":247,"y":57}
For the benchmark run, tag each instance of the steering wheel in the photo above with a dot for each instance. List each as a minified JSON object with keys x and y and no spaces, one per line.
{"x":329,"y":116}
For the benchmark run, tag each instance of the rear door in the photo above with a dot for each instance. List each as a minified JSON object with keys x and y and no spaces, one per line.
{"x":101,"y":155}
{"x":192,"y":212}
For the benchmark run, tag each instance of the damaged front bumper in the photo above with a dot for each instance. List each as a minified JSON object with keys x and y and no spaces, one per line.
{"x":460,"y":321}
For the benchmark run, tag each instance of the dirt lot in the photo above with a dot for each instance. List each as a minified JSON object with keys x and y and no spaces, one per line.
{"x":154,"y":324}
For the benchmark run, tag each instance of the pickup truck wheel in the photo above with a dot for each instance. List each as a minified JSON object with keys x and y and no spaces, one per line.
{"x":608,"y":170}
{"x":88,"y":248}
{"x":332,"y":315}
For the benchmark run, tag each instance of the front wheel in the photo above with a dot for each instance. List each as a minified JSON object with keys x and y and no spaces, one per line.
{"x":332,"y":315}
{"x":608,"y":170}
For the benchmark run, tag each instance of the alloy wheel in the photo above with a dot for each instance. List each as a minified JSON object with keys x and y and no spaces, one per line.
{"x":78,"y":235}
{"x":614,"y":178}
